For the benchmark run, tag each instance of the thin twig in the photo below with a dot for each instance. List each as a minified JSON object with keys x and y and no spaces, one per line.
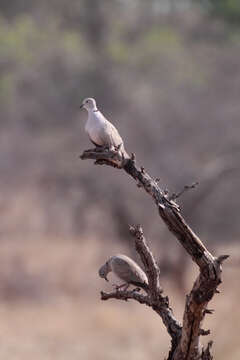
{"x":150,"y":265}
{"x":126,"y":295}
{"x":174,"y":196}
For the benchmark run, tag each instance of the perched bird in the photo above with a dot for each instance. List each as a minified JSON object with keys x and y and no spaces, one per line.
{"x":100,"y":131}
{"x":127,"y":270}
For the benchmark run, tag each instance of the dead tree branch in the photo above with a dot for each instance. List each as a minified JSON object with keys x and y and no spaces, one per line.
{"x":154,"y":298}
{"x":188,"y":343}
{"x":151,"y":268}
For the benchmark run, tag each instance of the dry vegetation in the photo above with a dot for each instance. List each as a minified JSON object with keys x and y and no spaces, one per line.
{"x":60,"y":314}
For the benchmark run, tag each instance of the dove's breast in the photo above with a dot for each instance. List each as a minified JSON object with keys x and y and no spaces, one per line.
{"x":95,"y":128}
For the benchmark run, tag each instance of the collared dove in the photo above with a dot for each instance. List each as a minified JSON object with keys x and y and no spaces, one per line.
{"x":100,"y":131}
{"x":127,"y":270}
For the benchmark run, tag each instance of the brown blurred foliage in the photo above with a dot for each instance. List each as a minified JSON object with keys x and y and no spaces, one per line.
{"x":171,"y":90}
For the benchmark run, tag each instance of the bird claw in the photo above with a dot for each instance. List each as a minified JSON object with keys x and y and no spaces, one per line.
{"x":116,"y":287}
{"x":122,"y":286}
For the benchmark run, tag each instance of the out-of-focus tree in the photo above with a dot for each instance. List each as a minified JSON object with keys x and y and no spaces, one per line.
{"x":167,"y":93}
{"x":228,"y":10}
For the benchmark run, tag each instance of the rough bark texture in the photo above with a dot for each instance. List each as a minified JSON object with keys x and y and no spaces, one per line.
{"x":186,"y":338}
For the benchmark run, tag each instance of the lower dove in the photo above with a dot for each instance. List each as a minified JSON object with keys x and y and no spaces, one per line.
{"x":127,"y":270}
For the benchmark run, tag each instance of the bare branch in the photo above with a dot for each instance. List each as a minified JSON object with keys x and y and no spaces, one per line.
{"x":204,"y":332}
{"x":105,"y":157}
{"x":126,"y":295}
{"x":217,"y":170}
{"x":185,"y":189}
{"x":206,"y":354}
{"x":150,"y":265}
{"x":185,"y":341}
{"x":208,"y":311}
{"x":222,"y":258}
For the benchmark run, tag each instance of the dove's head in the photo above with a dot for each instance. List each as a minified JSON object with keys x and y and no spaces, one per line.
{"x":89,"y":104}
{"x":104,"y":270}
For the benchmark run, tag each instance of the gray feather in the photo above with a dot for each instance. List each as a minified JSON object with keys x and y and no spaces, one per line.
{"x":128,"y":270}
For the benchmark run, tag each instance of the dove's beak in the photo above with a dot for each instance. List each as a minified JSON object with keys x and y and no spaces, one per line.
{"x":81,"y":106}
{"x":106,"y":278}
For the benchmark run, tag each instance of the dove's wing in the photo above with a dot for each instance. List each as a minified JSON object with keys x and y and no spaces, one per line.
{"x":94,"y":143}
{"x":110,"y":135}
{"x":127,"y":270}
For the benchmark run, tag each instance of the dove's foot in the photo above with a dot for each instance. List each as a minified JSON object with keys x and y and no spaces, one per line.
{"x":123,"y":287}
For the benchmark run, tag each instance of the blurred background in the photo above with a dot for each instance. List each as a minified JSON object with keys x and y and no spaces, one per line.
{"x":167,"y":74}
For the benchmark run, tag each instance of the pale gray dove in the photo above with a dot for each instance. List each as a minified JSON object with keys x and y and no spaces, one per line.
{"x":127,"y":270}
{"x":100,"y":131}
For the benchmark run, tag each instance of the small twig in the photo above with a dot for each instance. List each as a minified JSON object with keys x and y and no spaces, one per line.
{"x":126,"y":295}
{"x":175,"y":196}
{"x":203,"y":332}
{"x":222,"y":258}
{"x":133,"y":157}
{"x":139,"y":185}
{"x":206,"y":354}
{"x":166,"y":193}
{"x":208,"y":311}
